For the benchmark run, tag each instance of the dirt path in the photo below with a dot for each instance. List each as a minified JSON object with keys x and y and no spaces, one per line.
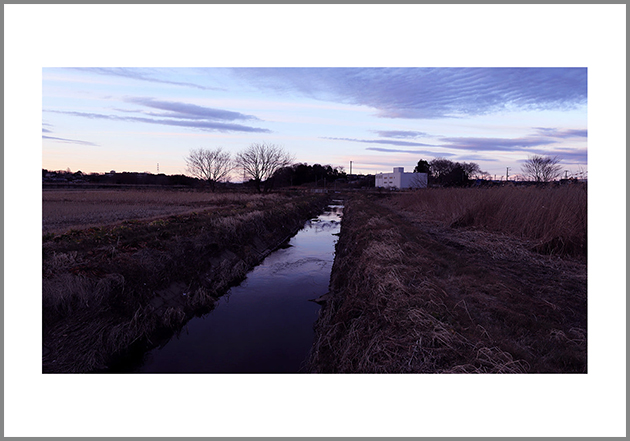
{"x":417,"y":296}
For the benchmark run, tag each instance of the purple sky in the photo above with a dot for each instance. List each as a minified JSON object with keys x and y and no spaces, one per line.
{"x":131,"y":119}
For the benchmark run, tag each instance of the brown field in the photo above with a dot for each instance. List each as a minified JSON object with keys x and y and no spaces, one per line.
{"x":76,"y":209}
{"x":458,"y":281}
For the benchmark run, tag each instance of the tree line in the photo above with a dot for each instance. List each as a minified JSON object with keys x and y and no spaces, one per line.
{"x":264,"y":166}
{"x":120,"y":178}
{"x":444,"y":172}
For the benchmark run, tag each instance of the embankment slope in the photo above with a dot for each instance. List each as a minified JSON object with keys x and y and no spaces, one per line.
{"x":414,"y":296}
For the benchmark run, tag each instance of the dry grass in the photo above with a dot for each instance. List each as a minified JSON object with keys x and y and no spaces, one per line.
{"x":66,"y":209}
{"x":420,"y":296}
{"x":554,"y":219}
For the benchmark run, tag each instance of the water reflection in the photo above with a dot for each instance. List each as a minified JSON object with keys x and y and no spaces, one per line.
{"x":266,"y":323}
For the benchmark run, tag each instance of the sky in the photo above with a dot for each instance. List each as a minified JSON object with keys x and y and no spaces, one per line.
{"x":133,"y":119}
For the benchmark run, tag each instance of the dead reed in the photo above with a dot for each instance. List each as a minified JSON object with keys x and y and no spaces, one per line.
{"x":554,"y":219}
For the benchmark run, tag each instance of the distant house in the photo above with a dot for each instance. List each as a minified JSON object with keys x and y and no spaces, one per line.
{"x":399,"y":179}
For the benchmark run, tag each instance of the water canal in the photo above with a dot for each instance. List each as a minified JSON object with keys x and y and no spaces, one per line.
{"x":264,"y":325}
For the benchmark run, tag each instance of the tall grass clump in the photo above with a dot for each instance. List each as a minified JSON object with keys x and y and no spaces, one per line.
{"x":554,"y":219}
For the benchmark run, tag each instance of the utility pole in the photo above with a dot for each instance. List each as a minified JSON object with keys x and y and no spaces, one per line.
{"x":507,"y":173}
{"x":158,"y":168}
{"x":565,"y":174}
{"x":350,"y":168}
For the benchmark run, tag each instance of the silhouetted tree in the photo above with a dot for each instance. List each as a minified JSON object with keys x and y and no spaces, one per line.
{"x":455,"y":177}
{"x":211,"y":166}
{"x":440,"y":167}
{"x":448,"y":173}
{"x":302,"y":173}
{"x":472,"y":170}
{"x":422,"y":167}
{"x":542,"y":168}
{"x":260,"y":162}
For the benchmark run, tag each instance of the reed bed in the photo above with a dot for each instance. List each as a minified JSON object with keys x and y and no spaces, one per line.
{"x":554,"y":219}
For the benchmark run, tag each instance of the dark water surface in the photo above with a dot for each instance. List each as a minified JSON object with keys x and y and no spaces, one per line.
{"x":266,"y":323}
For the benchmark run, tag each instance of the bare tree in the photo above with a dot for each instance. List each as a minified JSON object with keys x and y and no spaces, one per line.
{"x":472,"y":169}
{"x":209,"y":165}
{"x":440,"y":167}
{"x":260,"y":161}
{"x":542,"y":168}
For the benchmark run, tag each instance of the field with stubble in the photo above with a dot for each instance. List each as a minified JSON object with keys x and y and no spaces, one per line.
{"x":458,"y":281}
{"x":75,"y":209}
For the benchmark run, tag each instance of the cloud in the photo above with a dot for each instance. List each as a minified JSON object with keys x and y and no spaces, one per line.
{"x":431,"y":92}
{"x":141,"y":75}
{"x":188,"y":111}
{"x":71,"y":141}
{"x":415,"y":152}
{"x":495,"y":144}
{"x":46,"y":131}
{"x":400,"y":134}
{"x":555,"y":133}
{"x":194,"y":124}
{"x":567,"y":156}
{"x":384,"y":141}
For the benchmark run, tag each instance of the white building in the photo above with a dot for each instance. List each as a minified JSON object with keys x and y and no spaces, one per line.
{"x":400,"y":179}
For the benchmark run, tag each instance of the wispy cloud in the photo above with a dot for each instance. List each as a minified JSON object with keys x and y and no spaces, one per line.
{"x":469,"y":158}
{"x":429,"y":92}
{"x":495,"y":144}
{"x":141,"y":74}
{"x":556,"y":133}
{"x":194,"y":124}
{"x":568,"y":156}
{"x":415,"y":152}
{"x":71,"y":141}
{"x":402,"y":134}
{"x":188,"y":111}
{"x":384,"y":141}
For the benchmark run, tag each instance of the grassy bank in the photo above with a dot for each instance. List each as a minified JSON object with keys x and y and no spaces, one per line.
{"x":415,"y":288}
{"x":111,"y":286}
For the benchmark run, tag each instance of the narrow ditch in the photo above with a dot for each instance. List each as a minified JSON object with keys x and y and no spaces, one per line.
{"x":265,"y":324}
